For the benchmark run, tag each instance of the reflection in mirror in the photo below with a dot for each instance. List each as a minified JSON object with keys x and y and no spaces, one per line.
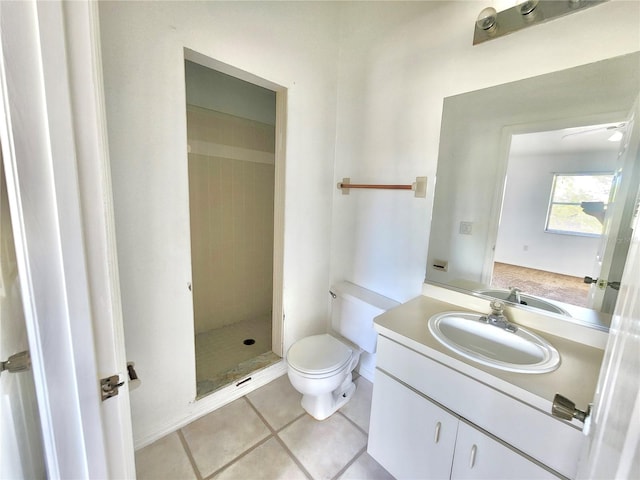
{"x":536,"y":187}
{"x":553,"y":216}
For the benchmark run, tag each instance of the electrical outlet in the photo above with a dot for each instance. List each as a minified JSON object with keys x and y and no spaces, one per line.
{"x":466,"y":228}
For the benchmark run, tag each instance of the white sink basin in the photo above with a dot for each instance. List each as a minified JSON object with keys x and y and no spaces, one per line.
{"x":529,"y":300}
{"x":521,"y":351}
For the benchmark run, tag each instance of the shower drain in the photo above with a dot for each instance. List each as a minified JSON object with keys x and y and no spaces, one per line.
{"x":249,"y":341}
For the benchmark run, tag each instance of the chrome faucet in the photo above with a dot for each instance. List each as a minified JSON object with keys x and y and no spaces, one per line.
{"x":514,"y":295}
{"x":497,"y":317}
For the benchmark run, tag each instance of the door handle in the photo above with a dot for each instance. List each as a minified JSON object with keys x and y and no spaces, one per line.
{"x":564,"y":408}
{"x":18,"y":362}
{"x":602,"y":284}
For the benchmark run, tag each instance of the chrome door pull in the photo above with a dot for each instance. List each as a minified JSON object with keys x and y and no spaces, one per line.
{"x":436,"y":438}
{"x":472,"y":459}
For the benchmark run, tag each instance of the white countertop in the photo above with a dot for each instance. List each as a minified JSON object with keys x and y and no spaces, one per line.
{"x":575,"y":378}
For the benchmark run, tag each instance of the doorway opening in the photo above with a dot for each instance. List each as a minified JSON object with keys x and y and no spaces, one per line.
{"x":553,"y":219}
{"x":232,"y":128}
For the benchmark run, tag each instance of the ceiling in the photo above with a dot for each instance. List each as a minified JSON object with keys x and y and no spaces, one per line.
{"x":592,"y":138}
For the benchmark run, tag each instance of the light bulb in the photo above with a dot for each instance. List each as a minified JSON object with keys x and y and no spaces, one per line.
{"x":487,"y":19}
{"x":527,"y":6}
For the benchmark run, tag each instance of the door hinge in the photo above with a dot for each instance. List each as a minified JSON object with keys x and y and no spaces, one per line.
{"x":109,"y":386}
{"x":18,"y":362}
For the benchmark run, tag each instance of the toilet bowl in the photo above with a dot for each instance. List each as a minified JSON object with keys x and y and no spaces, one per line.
{"x":320,"y":368}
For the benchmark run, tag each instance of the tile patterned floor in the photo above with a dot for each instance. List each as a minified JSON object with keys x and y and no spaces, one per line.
{"x":267,"y":435}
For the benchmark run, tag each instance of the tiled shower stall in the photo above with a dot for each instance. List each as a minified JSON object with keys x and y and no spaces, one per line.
{"x":231,"y":192}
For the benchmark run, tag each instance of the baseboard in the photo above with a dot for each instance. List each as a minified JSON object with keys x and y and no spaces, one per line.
{"x":216,"y":400}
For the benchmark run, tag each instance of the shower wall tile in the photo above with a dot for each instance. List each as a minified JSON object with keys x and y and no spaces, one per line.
{"x":217,"y":127}
{"x":231,"y":204}
{"x":198,"y":193}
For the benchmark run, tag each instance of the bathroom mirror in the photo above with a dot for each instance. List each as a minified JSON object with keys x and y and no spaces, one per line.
{"x":511,"y":157}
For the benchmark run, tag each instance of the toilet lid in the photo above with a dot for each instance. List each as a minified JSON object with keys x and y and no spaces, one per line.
{"x":318,"y":354}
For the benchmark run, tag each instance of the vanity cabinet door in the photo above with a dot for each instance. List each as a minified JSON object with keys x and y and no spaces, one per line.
{"x":409,"y":435}
{"x":478,"y":456}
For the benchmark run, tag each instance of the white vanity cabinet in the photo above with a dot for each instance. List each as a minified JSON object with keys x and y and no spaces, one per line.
{"x":413,"y":438}
{"x":429,"y":421}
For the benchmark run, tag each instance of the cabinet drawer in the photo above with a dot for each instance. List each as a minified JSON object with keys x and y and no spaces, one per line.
{"x":518,"y":424}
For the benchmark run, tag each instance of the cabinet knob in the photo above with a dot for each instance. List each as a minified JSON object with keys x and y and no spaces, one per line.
{"x":436,"y":438}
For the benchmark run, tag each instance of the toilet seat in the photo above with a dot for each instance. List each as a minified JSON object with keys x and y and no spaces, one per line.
{"x":319,"y":355}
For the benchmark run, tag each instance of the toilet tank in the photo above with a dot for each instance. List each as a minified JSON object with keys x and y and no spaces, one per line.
{"x":352,"y":313}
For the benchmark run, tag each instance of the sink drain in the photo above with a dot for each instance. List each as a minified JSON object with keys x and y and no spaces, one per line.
{"x":249,"y":341}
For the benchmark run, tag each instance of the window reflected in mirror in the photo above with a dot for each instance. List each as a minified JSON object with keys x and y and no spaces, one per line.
{"x":578,"y":203}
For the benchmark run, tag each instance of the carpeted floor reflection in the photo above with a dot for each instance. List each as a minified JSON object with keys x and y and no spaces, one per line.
{"x":553,"y":286}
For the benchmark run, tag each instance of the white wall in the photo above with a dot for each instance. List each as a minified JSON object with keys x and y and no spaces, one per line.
{"x":526,"y":202}
{"x":289,"y":44}
{"x":398,"y":61}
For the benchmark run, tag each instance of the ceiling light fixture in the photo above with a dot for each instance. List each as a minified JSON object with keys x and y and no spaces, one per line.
{"x":527,"y":6}
{"x":491,"y":24}
{"x":617,"y":130}
{"x":486,"y":20}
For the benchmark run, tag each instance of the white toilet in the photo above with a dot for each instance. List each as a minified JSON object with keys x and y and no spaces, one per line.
{"x":320,"y":366}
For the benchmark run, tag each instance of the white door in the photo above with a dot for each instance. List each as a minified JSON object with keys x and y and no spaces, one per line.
{"x":614,"y":441}
{"x":613,"y":449}
{"x":612,"y":251}
{"x":56,"y":163}
{"x":21,"y":454}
